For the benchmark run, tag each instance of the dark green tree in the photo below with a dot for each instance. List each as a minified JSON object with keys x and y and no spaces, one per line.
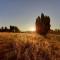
{"x":42,"y":24}
{"x":42,"y":17}
{"x":14,"y":29}
{"x":6,"y":30}
{"x":38,"y":24}
{"x":11,"y":28}
{"x":2,"y":28}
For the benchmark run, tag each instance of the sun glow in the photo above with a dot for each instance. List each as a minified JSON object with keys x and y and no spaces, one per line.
{"x":32,"y":29}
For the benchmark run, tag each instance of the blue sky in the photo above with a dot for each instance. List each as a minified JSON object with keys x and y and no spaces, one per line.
{"x":23,"y":13}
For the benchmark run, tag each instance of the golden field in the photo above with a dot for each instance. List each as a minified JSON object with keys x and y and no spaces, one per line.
{"x":29,"y":46}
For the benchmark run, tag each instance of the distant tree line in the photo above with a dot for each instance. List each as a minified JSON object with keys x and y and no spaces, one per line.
{"x":11,"y":29}
{"x":56,"y":31}
{"x":42,"y":24}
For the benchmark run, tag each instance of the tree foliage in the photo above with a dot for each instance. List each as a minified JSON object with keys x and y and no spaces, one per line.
{"x":42,"y":24}
{"x":14,"y":29}
{"x":11,"y":29}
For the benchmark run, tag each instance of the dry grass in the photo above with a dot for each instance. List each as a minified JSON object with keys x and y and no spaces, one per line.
{"x":29,"y":46}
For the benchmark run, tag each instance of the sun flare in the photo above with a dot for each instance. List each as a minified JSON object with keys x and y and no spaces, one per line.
{"x":32,"y":29}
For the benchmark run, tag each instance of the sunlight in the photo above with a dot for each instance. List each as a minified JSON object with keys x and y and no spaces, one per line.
{"x":32,"y":29}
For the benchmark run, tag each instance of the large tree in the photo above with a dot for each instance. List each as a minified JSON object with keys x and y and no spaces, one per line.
{"x":42,"y":24}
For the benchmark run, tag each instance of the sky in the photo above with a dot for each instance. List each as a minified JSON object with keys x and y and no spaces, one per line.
{"x":23,"y":13}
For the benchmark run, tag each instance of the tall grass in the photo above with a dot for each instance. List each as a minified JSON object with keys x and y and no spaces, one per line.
{"x":29,"y":46}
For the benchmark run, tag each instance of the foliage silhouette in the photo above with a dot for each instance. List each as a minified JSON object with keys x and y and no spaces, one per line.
{"x":42,"y":24}
{"x":12,"y":29}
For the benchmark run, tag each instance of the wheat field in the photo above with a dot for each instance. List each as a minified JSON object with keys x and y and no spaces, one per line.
{"x":29,"y":46}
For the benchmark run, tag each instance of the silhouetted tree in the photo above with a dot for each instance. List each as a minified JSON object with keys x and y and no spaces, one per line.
{"x":57,"y":30}
{"x":42,"y":17}
{"x":38,"y":24}
{"x":6,"y":30}
{"x":47,"y":23}
{"x":11,"y":28}
{"x":43,"y":24}
{"x":14,"y":29}
{"x":2,"y":29}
